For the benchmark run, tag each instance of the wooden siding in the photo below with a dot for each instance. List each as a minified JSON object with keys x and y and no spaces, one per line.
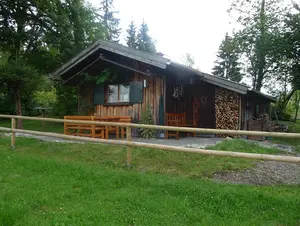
{"x":151,"y":96}
{"x":204,"y":93}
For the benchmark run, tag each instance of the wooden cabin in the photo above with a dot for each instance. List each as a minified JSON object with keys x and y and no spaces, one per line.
{"x":114,"y":80}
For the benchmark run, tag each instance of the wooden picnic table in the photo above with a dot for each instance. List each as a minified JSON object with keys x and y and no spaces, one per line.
{"x":96,"y":131}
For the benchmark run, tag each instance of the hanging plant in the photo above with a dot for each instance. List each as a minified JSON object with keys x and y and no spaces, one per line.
{"x":106,"y":76}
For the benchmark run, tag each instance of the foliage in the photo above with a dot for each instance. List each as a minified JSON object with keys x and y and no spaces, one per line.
{"x":34,"y":32}
{"x":67,"y":100}
{"x":261,"y":22}
{"x":146,"y":118}
{"x":108,"y":75}
{"x":188,"y":60}
{"x":22,"y":23}
{"x":144,"y":41}
{"x":52,"y":127}
{"x":20,"y":79}
{"x":131,"y":39}
{"x":293,"y":127}
{"x":79,"y":26}
{"x":110,"y":23}
{"x":288,"y":55}
{"x":45,"y":98}
{"x":296,"y":104}
{"x":40,"y":175}
{"x":227,"y":65}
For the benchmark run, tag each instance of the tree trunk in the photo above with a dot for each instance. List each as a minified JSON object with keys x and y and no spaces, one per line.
{"x":288,"y":97}
{"x":259,"y":82}
{"x":18,"y":107}
{"x":260,"y":48}
{"x":297,"y":106}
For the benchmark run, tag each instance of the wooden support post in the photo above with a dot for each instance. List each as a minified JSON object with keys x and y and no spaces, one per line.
{"x":128,"y":136}
{"x":13,"y":134}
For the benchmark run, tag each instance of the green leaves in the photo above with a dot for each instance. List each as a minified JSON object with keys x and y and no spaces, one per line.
{"x":144,"y":41}
{"x":146,"y":118}
{"x":131,"y":35}
{"x":261,"y":23}
{"x":227,"y":64}
{"x":109,"y":21}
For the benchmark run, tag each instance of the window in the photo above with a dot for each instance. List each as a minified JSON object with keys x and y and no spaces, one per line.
{"x":118,"y":93}
{"x":129,"y":93}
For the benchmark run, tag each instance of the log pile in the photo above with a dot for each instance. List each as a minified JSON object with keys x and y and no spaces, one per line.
{"x":227,"y":109}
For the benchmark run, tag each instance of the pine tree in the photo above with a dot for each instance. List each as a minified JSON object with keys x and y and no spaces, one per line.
{"x":227,"y":65}
{"x":131,"y":35}
{"x":110,"y":23}
{"x":188,"y":60}
{"x":144,"y":41}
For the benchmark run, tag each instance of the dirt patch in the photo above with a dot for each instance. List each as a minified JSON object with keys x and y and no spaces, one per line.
{"x":264,"y":173}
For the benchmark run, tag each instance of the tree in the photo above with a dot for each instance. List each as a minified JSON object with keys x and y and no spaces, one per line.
{"x":188,"y":60}
{"x":79,"y":26}
{"x":34,"y":32}
{"x":296,"y":103}
{"x":288,"y":57}
{"x":261,"y":22}
{"x":227,"y":65}
{"x":110,"y":23}
{"x":131,"y":39}
{"x":20,"y":79}
{"x":22,"y":26}
{"x":144,"y":41}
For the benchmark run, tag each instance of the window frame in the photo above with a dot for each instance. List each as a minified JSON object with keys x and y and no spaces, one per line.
{"x":118,"y":102}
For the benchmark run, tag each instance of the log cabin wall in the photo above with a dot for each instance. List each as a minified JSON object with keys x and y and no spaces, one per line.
{"x":201,"y":91}
{"x":151,"y":96}
{"x":227,"y":105}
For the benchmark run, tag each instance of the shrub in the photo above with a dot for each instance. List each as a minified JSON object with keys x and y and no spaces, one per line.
{"x":146,"y":118}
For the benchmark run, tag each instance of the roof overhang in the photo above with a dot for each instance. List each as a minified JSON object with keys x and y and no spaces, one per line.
{"x":151,"y":59}
{"x":225,"y":83}
{"x":262,"y":95}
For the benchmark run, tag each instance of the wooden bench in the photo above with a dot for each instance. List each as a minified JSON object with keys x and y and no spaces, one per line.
{"x":96,"y":131}
{"x":177,"y":120}
{"x":76,"y":129}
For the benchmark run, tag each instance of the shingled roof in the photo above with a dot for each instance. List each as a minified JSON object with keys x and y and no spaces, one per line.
{"x":151,"y":59}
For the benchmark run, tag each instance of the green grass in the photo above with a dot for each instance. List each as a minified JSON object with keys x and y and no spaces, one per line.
{"x":145,"y":160}
{"x":37,"y":126}
{"x":76,"y":184}
{"x":293,"y":127}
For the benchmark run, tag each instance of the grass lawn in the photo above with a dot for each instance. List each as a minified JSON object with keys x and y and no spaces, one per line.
{"x":37,"y":125}
{"x":86,"y":184}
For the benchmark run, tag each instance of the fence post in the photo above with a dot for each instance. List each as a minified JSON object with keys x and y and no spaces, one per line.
{"x":13,"y":134}
{"x":128,"y":136}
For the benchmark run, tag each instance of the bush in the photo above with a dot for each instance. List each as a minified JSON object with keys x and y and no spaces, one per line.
{"x":147,"y":118}
{"x":284,"y":114}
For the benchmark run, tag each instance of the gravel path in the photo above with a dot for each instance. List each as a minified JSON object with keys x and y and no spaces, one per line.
{"x":264,"y":173}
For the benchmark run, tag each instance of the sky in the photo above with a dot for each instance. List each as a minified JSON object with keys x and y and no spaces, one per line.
{"x":178,"y":27}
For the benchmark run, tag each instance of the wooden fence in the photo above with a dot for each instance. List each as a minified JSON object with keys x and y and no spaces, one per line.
{"x":129,"y":143}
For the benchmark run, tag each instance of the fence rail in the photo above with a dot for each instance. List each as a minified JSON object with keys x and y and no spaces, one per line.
{"x":129,"y":143}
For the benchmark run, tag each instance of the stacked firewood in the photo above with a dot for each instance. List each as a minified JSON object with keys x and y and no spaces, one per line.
{"x":227,"y":109}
